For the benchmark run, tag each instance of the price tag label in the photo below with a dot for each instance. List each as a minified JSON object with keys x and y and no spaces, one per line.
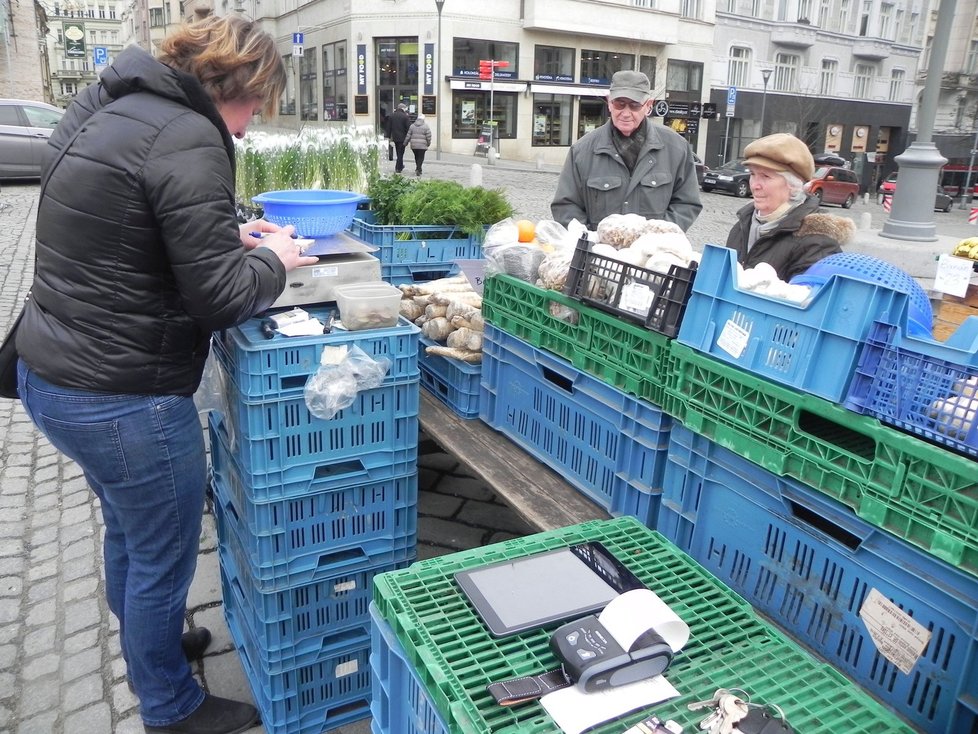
{"x":953,"y":275}
{"x":898,"y":637}
{"x":733,"y":339}
{"x":475,"y":271}
{"x":637,"y":298}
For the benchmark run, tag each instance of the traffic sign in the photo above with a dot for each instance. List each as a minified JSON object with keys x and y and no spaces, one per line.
{"x":101,"y":55}
{"x":661,"y":108}
{"x":297,"y":50}
{"x":297,"y":39}
{"x":731,"y":100}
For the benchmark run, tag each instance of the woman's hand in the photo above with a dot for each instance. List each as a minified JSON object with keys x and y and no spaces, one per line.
{"x":287,"y":249}
{"x":252,"y":232}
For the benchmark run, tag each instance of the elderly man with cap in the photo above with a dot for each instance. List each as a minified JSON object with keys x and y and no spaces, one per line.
{"x":782,"y":227}
{"x":400,"y":123}
{"x":628,"y":165}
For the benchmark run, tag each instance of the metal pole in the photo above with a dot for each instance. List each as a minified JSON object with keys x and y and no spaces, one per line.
{"x":766,"y":74}
{"x":438,"y":4}
{"x":492,"y":108}
{"x":971,"y":163}
{"x":726,"y":140}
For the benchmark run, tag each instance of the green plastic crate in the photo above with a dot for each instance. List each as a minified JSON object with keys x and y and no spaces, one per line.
{"x":915,"y":490}
{"x":455,"y":657}
{"x":625,"y":355}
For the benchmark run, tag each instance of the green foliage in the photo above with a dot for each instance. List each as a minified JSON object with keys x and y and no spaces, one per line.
{"x":385,"y":197}
{"x":446,"y":202}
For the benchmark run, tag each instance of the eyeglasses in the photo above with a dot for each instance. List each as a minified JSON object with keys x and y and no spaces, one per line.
{"x":621,"y":103}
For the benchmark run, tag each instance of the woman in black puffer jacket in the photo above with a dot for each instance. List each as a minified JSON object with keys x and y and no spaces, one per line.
{"x":139,"y":259}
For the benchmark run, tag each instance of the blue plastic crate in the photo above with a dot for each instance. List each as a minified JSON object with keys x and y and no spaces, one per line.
{"x":922,"y":386}
{"x":400,"y":244}
{"x":268,"y":575}
{"x":812,"y":347}
{"x":608,"y":444}
{"x":375,"y":466}
{"x":452,"y":381}
{"x":400,"y":703}
{"x":417,"y":273}
{"x":291,"y":625}
{"x":282,"y":435}
{"x":292,"y":535}
{"x":809,"y":563}
{"x":312,"y":698}
{"x":279,"y":367}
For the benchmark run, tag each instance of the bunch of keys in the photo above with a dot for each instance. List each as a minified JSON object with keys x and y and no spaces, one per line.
{"x":733,"y":714}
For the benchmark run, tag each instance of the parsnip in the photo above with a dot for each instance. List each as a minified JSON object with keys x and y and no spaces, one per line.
{"x":461,"y":354}
{"x":438,"y":329}
{"x":465,"y":339}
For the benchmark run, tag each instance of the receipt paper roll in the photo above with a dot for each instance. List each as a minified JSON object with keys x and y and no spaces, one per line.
{"x":631,"y":614}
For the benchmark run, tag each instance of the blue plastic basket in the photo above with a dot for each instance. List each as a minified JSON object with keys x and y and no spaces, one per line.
{"x":809,"y":563}
{"x":312,"y":698}
{"x":400,"y":704}
{"x":401,"y":244}
{"x":452,"y":381}
{"x":875,"y":270}
{"x":313,"y":212}
{"x":812,"y":347}
{"x":606,"y":443}
{"x":291,"y":626}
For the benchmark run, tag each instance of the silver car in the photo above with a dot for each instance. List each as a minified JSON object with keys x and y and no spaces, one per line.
{"x":25,"y":127}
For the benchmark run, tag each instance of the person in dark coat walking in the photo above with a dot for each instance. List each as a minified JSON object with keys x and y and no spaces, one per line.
{"x":135,"y":269}
{"x":399,"y":124}
{"x":419,"y":138}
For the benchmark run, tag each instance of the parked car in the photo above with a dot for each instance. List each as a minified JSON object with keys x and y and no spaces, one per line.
{"x":701,"y":169}
{"x":942,"y":200}
{"x":25,"y":127}
{"x":829,"y":159}
{"x":732,"y":177}
{"x":833,"y":185}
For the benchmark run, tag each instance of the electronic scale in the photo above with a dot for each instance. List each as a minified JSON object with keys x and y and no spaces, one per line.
{"x":342,"y":259}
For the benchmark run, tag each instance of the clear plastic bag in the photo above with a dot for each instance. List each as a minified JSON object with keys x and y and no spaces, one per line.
{"x":343,"y":372}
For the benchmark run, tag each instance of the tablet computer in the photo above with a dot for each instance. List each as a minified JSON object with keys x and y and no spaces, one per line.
{"x":545,"y":588}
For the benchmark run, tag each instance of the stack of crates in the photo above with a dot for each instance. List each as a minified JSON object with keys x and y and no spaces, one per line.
{"x":308,"y":512}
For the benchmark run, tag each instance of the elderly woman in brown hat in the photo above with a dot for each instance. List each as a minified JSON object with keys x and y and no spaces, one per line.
{"x":783,"y":227}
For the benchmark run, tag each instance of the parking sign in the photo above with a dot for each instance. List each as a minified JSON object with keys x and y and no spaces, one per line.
{"x":101,"y":55}
{"x":731,"y":100}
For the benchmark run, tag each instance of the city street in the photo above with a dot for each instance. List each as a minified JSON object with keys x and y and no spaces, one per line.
{"x":61,"y":671}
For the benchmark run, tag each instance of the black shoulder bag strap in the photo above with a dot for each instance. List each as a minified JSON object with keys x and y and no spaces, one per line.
{"x":8,"y":350}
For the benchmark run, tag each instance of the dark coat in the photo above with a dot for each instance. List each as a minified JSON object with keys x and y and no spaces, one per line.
{"x":139,"y":255}
{"x":400,"y":122}
{"x":801,"y":239}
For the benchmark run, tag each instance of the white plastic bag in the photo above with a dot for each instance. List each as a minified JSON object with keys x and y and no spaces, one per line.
{"x":343,"y":372}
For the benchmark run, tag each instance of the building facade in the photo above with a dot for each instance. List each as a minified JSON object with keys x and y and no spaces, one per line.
{"x":839,"y":74}
{"x":23,"y":54}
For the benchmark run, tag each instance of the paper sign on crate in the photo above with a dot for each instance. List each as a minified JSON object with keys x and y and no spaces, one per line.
{"x":953,"y":275}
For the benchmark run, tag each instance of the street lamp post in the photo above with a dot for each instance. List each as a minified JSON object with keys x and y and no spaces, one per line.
{"x":766,"y":75}
{"x":438,"y":4}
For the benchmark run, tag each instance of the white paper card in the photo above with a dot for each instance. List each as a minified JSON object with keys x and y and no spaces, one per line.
{"x":637,"y":298}
{"x":574,"y":711}
{"x":475,"y":272}
{"x":733,"y":339}
{"x":333,"y":354}
{"x":309,"y":327}
{"x":898,"y":637}
{"x":324,"y":271}
{"x":953,"y":275}
{"x":348,"y":668}
{"x":344,"y":586}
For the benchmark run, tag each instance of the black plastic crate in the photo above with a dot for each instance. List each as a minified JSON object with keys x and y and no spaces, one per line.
{"x":650,"y":298}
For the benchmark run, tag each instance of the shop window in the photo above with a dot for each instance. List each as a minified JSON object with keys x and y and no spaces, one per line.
{"x":308,"y":82}
{"x":334,"y":81}
{"x":468,"y":52}
{"x":470,"y":110}
{"x":597,"y":67}
{"x":286,"y":104}
{"x":551,"y":119}
{"x":592,"y":114}
{"x":553,"y":64}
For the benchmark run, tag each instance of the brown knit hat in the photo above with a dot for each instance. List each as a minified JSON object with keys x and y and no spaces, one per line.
{"x":781,"y":152}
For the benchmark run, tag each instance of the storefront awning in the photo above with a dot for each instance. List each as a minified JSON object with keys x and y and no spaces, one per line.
{"x":485,"y":86}
{"x":577,"y":90}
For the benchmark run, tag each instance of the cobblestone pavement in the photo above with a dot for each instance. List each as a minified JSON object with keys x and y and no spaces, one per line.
{"x":60,"y":666}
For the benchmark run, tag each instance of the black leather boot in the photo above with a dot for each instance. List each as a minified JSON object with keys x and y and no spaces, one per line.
{"x":194,"y":642}
{"x":213,"y":716}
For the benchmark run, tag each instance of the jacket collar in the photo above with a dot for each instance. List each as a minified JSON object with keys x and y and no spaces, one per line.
{"x":653,"y":140}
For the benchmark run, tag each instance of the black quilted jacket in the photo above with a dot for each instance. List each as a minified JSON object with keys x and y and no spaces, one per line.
{"x":139,"y":257}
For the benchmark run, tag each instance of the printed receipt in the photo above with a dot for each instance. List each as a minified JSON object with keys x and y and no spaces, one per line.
{"x":626,"y":617}
{"x":898,"y":637}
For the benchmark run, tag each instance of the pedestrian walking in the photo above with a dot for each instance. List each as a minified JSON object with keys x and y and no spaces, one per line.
{"x":419,"y":139}
{"x":133,"y":273}
{"x":399,"y":125}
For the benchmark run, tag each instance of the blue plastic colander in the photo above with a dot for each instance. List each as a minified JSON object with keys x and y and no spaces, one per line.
{"x":872,"y":269}
{"x":313,"y":212}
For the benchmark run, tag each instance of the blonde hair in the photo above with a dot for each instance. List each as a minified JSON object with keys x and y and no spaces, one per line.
{"x":232,"y":57}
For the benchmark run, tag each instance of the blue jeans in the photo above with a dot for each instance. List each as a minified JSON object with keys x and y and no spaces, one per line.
{"x":143,"y":456}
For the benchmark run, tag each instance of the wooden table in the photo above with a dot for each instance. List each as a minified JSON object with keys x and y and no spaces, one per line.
{"x":535,"y":492}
